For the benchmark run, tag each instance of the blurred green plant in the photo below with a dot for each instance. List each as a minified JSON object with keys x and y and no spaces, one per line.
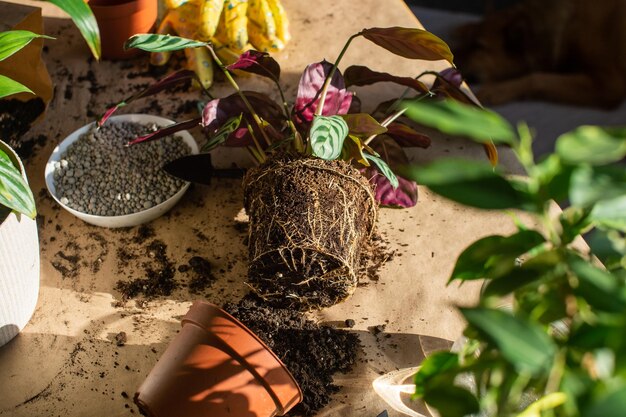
{"x":559,"y":348}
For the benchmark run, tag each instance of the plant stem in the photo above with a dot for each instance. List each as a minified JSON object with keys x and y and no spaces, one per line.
{"x":297,"y":138}
{"x":243,"y":97}
{"x":320,"y":105}
{"x":386,"y":123}
{"x":556,"y":373}
{"x":261,"y":154}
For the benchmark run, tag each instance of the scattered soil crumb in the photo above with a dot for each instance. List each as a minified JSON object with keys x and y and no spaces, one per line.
{"x":203,"y":278}
{"x":120,"y":339}
{"x":67,"y":261}
{"x":201,"y":236}
{"x":376,"y":330}
{"x":159,"y":275}
{"x":312,"y":353}
{"x":374,"y":255}
{"x":144,"y":232}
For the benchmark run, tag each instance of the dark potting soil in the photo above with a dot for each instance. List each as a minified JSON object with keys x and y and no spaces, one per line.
{"x":16,"y":117}
{"x":159,"y":275}
{"x":312,"y":353}
{"x":203,"y":277}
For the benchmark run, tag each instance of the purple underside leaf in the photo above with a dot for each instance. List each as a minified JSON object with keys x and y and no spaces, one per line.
{"x":338,"y":99}
{"x":260,"y":63}
{"x":162,"y":84}
{"x":410,"y":43}
{"x":241,"y":136}
{"x":407,"y":137}
{"x":166,"y":131}
{"x":219,"y":111}
{"x":453,"y":76}
{"x":405,"y":195}
{"x":360,"y":75}
{"x":448,"y":84}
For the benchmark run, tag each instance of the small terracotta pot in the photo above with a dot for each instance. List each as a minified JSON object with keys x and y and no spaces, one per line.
{"x":118,"y":20}
{"x":217,"y":367}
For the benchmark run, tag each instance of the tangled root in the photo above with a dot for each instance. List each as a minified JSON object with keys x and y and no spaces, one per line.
{"x":309,"y":219}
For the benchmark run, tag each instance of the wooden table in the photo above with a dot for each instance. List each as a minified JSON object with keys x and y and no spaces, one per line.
{"x":66,"y":362}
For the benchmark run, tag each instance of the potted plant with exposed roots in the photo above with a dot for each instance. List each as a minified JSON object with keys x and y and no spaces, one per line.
{"x":323,"y":165}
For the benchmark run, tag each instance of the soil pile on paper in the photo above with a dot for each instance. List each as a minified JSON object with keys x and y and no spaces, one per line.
{"x":312,"y":353}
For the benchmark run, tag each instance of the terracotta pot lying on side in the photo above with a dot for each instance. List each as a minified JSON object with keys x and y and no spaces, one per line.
{"x":217,"y":367}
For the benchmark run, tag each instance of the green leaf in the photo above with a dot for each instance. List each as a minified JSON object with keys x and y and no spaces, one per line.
{"x":84,"y":20}
{"x":384,"y":169}
{"x":451,"y":400}
{"x":590,"y":184}
{"x":610,"y":405}
{"x":454,"y":118}
{"x":362,"y":124}
{"x":410,"y":43}
{"x":13,"y":40}
{"x":9,"y":86}
{"x":14,"y":191}
{"x":610,"y":213}
{"x":161,"y":43}
{"x":493,"y":256}
{"x":435,"y":364}
{"x":553,"y":177}
{"x":522,"y":343}
{"x":530,"y":271}
{"x":222,"y":134}
{"x":327,"y":135}
{"x":574,"y":221}
{"x":610,"y":247}
{"x":592,"y":144}
{"x":353,"y":149}
{"x":598,"y":287}
{"x":471,"y":183}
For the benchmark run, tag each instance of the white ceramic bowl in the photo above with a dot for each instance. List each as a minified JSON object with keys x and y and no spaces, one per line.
{"x":126,"y":220}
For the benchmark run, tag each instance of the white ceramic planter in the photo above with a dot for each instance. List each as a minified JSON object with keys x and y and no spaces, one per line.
{"x":19,"y":268}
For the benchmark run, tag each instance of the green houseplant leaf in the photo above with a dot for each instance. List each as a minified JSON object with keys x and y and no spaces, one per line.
{"x":455,"y":118}
{"x":14,"y":191}
{"x":590,"y":184}
{"x":610,"y":405}
{"x":599,"y":288}
{"x":384,"y":169}
{"x":592,"y":144}
{"x":409,"y":42}
{"x":161,"y":43}
{"x":84,"y":20}
{"x":9,"y":87}
{"x":13,"y":40}
{"x":327,"y":136}
{"x":522,"y":343}
{"x":610,"y":213}
{"x":472,"y":183}
{"x":493,"y":256}
{"x":451,"y":401}
{"x":433,"y":365}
